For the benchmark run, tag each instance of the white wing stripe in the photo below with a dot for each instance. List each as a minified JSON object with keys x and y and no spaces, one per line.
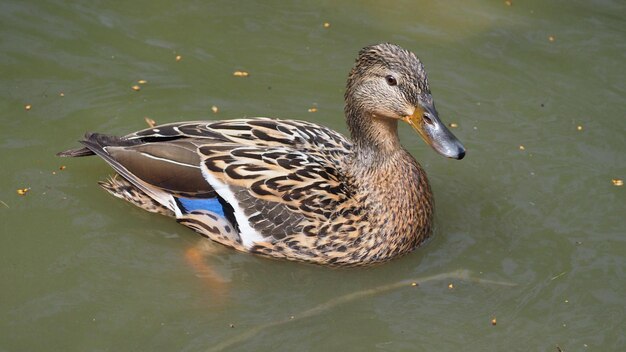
{"x":168,"y":160}
{"x":248,"y":234}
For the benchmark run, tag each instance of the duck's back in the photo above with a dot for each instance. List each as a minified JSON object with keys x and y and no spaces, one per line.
{"x":260,"y":180}
{"x":301,"y":135}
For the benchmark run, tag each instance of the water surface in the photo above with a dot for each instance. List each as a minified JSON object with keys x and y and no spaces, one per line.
{"x":532,"y":204}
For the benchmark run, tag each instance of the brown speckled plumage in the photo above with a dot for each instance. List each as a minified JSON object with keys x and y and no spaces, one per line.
{"x":293,"y":189}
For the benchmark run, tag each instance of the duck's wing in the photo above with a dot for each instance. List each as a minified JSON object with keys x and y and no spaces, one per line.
{"x":278,"y":176}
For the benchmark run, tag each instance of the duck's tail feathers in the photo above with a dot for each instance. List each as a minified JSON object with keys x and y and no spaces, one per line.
{"x":94,"y":139}
{"x":97,"y":144}
{"x":72,"y":153}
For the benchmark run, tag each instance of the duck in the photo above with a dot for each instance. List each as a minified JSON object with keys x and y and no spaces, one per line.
{"x":292,"y":189}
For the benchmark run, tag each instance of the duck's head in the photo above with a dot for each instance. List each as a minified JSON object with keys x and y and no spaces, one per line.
{"x":387,"y":84}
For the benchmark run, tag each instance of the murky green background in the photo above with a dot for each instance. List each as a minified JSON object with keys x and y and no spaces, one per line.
{"x":83,"y":271}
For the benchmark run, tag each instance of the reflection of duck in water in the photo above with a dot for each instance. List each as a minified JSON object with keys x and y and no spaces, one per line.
{"x":293,"y":189}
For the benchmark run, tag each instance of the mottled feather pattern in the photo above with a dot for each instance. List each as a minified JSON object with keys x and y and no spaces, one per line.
{"x":125,"y":190}
{"x":287,"y":175}
{"x":367,"y":228}
{"x":291,"y":185}
{"x":306,"y":186}
{"x":213,"y":227}
{"x":253,"y":132}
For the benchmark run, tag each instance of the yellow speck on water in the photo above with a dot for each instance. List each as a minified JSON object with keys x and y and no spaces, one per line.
{"x":508,"y":2}
{"x":551,"y":38}
{"x":22,"y":191}
{"x":326,"y":25}
{"x":61,"y":94}
{"x":142,"y":81}
{"x":28,"y":107}
{"x":617,"y":182}
{"x":493,"y":321}
{"x":150,"y":121}
{"x":62,"y":167}
{"x":215,"y":109}
{"x":178,"y":57}
{"x":453,"y":125}
{"x":313,"y":109}
{"x":579,"y":128}
{"x":413,"y":284}
{"x":241,"y":74}
{"x":521,"y":147}
{"x":136,"y":88}
{"x":451,"y":286}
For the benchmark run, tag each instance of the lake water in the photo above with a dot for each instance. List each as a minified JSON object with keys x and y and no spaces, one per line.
{"x":529,"y":226}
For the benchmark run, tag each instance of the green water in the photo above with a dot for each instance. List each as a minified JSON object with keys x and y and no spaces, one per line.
{"x":83,"y":271}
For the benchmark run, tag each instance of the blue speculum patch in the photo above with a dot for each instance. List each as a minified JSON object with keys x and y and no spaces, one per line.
{"x":210,"y":204}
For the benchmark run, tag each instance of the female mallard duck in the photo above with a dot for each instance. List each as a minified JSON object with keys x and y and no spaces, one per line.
{"x":293,"y":189}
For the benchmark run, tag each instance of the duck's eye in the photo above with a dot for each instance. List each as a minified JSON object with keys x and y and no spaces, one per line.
{"x":391,"y":80}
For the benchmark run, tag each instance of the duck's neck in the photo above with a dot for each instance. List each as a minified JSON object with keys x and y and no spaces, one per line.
{"x":389,"y":184}
{"x":375,"y":139}
{"x":379,"y":164}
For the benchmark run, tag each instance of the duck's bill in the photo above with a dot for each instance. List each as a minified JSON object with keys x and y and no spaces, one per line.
{"x":427,"y":124}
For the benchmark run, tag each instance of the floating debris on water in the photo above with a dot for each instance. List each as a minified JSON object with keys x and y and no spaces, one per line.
{"x":551,"y":38}
{"x":508,"y":2}
{"x":494,"y":321}
{"x":579,"y":128}
{"x":22,"y":191}
{"x":617,"y":182}
{"x":178,"y":58}
{"x":28,"y":107}
{"x":62,"y":167}
{"x":521,"y":147}
{"x":326,"y":25}
{"x":453,"y":125}
{"x":451,"y":286}
{"x":241,"y":74}
{"x":150,"y":121}
{"x":413,"y":284}
{"x":136,"y":88}
{"x":313,"y":109}
{"x":215,"y":109}
{"x":61,"y":94}
{"x":142,"y":81}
